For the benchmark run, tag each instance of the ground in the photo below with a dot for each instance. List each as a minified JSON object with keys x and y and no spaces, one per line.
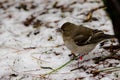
{"x":31,"y":43}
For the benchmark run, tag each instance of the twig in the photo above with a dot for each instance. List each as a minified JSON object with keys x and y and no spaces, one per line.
{"x":55,"y":70}
{"x":89,"y":15}
{"x":105,"y":70}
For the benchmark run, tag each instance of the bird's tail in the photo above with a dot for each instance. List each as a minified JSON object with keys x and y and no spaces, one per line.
{"x":107,"y":36}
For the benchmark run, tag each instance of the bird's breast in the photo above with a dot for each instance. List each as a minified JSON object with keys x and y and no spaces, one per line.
{"x":71,"y":45}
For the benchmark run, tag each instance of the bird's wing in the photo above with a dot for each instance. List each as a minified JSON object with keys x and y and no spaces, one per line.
{"x":94,"y":37}
{"x":80,"y":39}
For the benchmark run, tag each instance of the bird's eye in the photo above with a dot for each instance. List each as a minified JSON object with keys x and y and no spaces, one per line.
{"x":64,"y":30}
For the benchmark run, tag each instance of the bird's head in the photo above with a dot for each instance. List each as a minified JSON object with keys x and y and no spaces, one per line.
{"x":68,"y":28}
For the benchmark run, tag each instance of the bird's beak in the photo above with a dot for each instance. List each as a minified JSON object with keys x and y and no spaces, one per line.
{"x":60,"y":30}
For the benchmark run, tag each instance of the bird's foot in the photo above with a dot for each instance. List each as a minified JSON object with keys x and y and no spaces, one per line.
{"x":75,"y":57}
{"x":72,"y":55}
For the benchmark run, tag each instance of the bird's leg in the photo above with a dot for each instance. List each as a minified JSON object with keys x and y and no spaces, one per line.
{"x":72,"y":55}
{"x":76,"y":57}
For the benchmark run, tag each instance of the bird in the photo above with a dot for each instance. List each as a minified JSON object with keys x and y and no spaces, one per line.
{"x":80,"y":40}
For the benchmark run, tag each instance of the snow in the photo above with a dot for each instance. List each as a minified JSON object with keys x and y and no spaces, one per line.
{"x":22,"y":57}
